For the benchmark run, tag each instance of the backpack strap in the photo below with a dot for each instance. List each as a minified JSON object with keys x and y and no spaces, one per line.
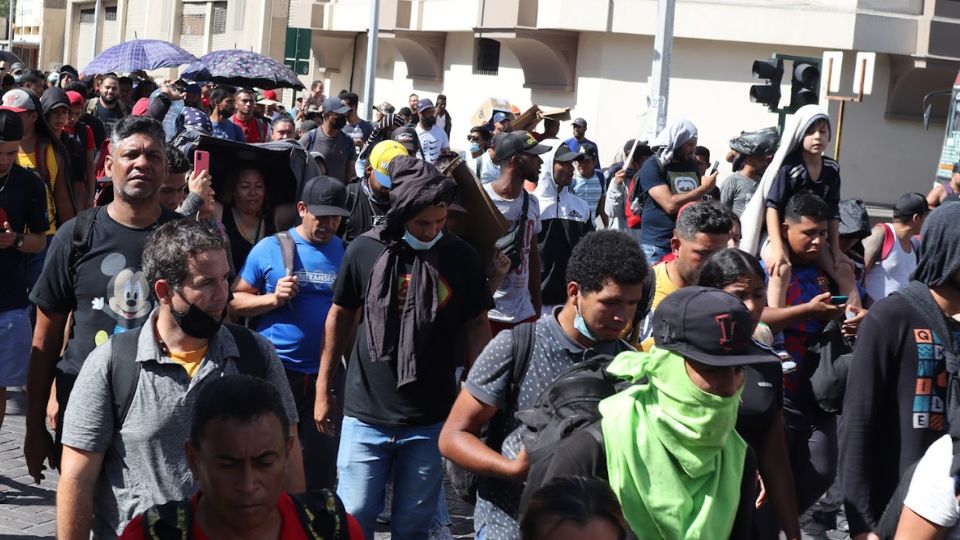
{"x":524,"y":336}
{"x":888,"y":239}
{"x":311,"y":139}
{"x":80,"y":241}
{"x":287,"y":251}
{"x":353,"y":195}
{"x":172,"y":520}
{"x":477,"y":167}
{"x":124,"y":372}
{"x":251,"y":360}
{"x":322,"y":515}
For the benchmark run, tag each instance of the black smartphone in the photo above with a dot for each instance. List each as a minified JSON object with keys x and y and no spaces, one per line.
{"x":838,"y":300}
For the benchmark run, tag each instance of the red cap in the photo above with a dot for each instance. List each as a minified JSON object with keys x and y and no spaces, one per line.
{"x":75,"y":98}
{"x":140,"y":107}
{"x":270,"y":94}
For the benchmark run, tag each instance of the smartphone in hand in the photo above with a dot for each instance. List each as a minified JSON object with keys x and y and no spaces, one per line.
{"x":201,"y":161}
{"x":838,"y":300}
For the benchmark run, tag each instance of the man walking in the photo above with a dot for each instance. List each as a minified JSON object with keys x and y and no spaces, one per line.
{"x":123,"y":434}
{"x":254,"y":130}
{"x":287,"y":282}
{"x":93,"y":271}
{"x":897,"y":408}
{"x":518,"y":298}
{"x":222,"y":106}
{"x":107,"y":107}
{"x":23,"y":220}
{"x":331,"y":142}
{"x":433,"y":140}
{"x":422,"y":297}
{"x":890,"y":252}
{"x":668,"y":182}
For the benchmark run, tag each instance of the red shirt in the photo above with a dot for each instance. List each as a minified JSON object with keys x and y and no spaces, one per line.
{"x":253,"y":129}
{"x":290,"y":529}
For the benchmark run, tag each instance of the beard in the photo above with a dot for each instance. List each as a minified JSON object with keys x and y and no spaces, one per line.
{"x":108,"y":99}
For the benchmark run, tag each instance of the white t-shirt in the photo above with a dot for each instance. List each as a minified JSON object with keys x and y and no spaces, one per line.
{"x":512,"y":299}
{"x":488,"y":171}
{"x":931,"y":494}
{"x":432,"y":142}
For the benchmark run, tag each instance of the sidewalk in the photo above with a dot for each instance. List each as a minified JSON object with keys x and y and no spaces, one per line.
{"x":29,"y":510}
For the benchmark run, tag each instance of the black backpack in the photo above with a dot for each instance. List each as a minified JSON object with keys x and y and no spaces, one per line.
{"x":463,"y":482}
{"x":570,"y":403}
{"x":124,"y":371}
{"x":320,"y":513}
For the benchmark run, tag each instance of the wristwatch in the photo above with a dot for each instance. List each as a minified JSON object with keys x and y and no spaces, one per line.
{"x":18,"y":243}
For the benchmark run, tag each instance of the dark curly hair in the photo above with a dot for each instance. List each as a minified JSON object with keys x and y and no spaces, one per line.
{"x":168,"y":249}
{"x":603,"y":255}
{"x":571,"y":498}
{"x":177,"y":162}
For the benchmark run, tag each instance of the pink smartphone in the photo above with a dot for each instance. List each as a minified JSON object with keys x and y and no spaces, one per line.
{"x":201,"y":161}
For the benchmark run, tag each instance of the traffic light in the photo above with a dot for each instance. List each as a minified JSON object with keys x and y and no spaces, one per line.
{"x":805,"y":86}
{"x":767,"y":94}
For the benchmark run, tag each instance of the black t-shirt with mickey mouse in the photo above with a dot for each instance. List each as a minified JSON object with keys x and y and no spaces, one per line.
{"x":23,"y":204}
{"x":111,"y":293}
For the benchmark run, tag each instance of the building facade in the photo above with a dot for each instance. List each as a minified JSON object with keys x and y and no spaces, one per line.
{"x":595,"y":56}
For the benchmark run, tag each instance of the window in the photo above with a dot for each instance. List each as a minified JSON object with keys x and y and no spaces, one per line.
{"x":219,"y":23}
{"x":110,"y":13}
{"x":87,"y":16}
{"x":194,"y":19}
{"x":487,"y":59}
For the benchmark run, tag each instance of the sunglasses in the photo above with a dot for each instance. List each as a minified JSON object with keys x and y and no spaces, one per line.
{"x":473,"y":138}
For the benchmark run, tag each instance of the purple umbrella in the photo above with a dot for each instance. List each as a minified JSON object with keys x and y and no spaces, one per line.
{"x":242,"y":68}
{"x":145,"y":54}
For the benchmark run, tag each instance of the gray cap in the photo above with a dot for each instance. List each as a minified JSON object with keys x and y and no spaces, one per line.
{"x":334,"y":105}
{"x":424,"y":104}
{"x":580,"y":122}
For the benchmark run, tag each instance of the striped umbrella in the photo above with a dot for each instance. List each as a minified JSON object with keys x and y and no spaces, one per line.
{"x":145,"y":54}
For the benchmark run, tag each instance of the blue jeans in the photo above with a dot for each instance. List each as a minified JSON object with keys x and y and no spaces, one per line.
{"x":368,"y":453}
{"x":653,"y":253}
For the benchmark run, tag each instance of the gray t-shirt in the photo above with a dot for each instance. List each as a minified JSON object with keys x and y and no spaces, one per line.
{"x":736,"y":191}
{"x":337,"y":151}
{"x":144,"y":462}
{"x":498,"y":500}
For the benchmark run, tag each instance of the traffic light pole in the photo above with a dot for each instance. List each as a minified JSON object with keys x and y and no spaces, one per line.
{"x":660,"y":71}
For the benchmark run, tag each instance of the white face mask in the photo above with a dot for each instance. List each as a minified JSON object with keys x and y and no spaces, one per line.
{"x":420,"y":245}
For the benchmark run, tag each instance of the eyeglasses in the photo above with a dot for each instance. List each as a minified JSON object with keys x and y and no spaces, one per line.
{"x":473,"y":138}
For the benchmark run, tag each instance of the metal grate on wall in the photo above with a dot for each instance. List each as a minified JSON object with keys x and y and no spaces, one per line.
{"x":87,"y":16}
{"x":193,"y":21}
{"x":110,"y":13}
{"x":219,"y":15}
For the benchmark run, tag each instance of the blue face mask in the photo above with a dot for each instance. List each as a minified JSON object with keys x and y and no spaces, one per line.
{"x":581,"y":325}
{"x":474,"y":148}
{"x":420,"y":245}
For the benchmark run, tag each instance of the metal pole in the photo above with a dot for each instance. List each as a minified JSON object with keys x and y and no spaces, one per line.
{"x":836,"y":150}
{"x":660,"y":72}
{"x":10,"y":26}
{"x":96,"y":29}
{"x":371,"y":66}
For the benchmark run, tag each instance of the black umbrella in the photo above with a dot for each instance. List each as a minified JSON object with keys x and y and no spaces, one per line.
{"x":285,"y":166}
{"x":9,"y":57}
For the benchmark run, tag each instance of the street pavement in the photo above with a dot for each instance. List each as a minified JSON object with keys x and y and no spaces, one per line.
{"x":29,"y":509}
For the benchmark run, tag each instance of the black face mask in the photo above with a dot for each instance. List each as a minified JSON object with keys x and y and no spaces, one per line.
{"x":197,"y":323}
{"x":428,"y":122}
{"x":340,"y":123}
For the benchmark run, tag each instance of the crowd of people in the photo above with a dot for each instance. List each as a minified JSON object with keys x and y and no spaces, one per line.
{"x":643,"y":351}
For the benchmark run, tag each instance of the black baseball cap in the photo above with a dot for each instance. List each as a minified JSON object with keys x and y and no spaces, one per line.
{"x":589,"y":151}
{"x":564,"y":154}
{"x":910,"y":204}
{"x":325,"y":196}
{"x":709,"y":326}
{"x":518,"y":142}
{"x":11,"y":127}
